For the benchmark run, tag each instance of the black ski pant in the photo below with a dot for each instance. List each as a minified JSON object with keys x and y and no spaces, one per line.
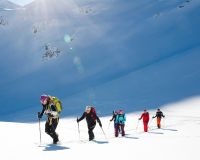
{"x":50,"y":127}
{"x":90,"y":132}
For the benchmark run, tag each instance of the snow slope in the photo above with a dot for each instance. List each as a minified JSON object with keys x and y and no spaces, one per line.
{"x":178,"y":139}
{"x":110,"y":54}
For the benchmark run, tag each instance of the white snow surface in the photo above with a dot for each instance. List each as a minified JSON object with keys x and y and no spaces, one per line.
{"x":178,"y":139}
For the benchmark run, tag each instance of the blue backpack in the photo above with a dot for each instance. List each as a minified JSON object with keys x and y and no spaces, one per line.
{"x":121,"y":118}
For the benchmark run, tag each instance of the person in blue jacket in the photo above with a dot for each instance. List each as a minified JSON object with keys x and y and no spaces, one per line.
{"x":120,"y":123}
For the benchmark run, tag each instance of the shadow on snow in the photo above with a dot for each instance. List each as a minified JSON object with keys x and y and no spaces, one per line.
{"x":100,"y":142}
{"x":54,"y":147}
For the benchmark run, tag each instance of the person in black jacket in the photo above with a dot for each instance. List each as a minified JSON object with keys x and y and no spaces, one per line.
{"x":159,"y":115}
{"x":114,"y":118}
{"x":91,"y":118}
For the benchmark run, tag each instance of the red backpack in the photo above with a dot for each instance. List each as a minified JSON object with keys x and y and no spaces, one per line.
{"x":93,"y":113}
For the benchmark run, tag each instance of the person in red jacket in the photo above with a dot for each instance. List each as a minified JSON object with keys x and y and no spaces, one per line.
{"x":145,"y":117}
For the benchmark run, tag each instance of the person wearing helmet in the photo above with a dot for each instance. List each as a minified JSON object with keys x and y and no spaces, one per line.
{"x":158,"y":116}
{"x":91,"y":118}
{"x":145,"y":117}
{"x":49,"y":109}
{"x":120,"y":123}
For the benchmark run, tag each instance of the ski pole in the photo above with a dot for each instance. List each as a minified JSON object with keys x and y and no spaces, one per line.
{"x":163,"y":122}
{"x":40,"y":129}
{"x":104,"y":133}
{"x":78,"y":130}
{"x":150,"y":124}
{"x":137,"y":125}
{"x":109,"y":125}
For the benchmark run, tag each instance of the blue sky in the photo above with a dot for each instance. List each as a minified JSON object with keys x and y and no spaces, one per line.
{"x":21,"y":2}
{"x":122,"y":55}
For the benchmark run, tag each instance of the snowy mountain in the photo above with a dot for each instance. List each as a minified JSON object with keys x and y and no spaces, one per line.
{"x":7,"y":4}
{"x":111,"y":54}
{"x":21,"y":2}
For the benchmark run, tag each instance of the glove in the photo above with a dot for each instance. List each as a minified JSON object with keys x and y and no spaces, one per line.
{"x":49,"y":115}
{"x":111,"y":120}
{"x":100,"y":125}
{"x":39,"y":115}
{"x":153,"y":117}
{"x":77,"y":120}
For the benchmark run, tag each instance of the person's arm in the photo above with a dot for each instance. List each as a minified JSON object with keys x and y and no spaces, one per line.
{"x":141,"y":116}
{"x":82,"y":117}
{"x":163,"y":115}
{"x":99,"y":121}
{"x":112,"y":118}
{"x":54,"y":112}
{"x":124,"y":117}
{"x":40,"y":114}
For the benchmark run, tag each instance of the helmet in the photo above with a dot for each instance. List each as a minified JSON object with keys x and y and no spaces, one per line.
{"x":44,"y":99}
{"x":121,"y":111}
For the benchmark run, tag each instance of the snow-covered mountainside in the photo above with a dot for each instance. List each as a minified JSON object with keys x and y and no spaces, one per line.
{"x":7,"y":4}
{"x":178,"y":139}
{"x":21,"y":2}
{"x":111,"y":54}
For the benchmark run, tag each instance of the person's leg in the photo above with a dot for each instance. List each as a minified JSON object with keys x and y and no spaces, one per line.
{"x":145,"y":127}
{"x":90,"y":132}
{"x":116,"y":130}
{"x":47,"y":127}
{"x":122,"y":129}
{"x":158,"y":122}
{"x":54,"y":126}
{"x":52,"y":130}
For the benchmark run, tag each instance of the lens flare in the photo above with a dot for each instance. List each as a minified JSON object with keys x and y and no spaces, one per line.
{"x":67,"y":38}
{"x":78,"y":64}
